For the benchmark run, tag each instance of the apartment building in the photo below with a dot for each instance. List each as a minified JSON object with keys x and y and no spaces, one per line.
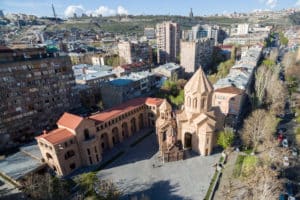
{"x":130,"y":52}
{"x":35,"y":91}
{"x":168,"y":41}
{"x":196,"y":53}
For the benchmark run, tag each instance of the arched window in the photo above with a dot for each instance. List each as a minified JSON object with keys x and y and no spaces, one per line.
{"x":195,"y":103}
{"x":203,"y":103}
{"x":69,"y":154}
{"x":86,"y":134}
{"x":189,"y":101}
{"x":48,"y":155}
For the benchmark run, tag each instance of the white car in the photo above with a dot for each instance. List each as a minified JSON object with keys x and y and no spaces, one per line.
{"x":285,"y":143}
{"x":286,"y":162}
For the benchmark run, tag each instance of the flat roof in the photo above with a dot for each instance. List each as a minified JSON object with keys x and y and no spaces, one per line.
{"x":20,"y":164}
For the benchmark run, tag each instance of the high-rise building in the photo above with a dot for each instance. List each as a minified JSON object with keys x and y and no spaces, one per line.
{"x":196,"y":53}
{"x":131,"y":52}
{"x":168,"y":41}
{"x":205,"y":31}
{"x":35,"y":91}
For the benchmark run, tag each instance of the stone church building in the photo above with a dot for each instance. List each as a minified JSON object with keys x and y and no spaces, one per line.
{"x":195,"y":126}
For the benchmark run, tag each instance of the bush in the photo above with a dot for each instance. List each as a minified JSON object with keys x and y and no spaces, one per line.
{"x":225,"y":138}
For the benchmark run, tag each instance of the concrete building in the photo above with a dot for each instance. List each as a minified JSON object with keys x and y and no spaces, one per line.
{"x":168,"y":41}
{"x":131,"y":52}
{"x":196,"y":53}
{"x":92,"y":75}
{"x":204,"y":31}
{"x":149,"y":33}
{"x":79,"y":142}
{"x":169,"y":70}
{"x":126,"y":69}
{"x":137,"y":84}
{"x":194,"y":127}
{"x":35,"y":91}
{"x":243,"y":29}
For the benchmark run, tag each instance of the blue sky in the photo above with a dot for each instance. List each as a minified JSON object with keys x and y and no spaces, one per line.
{"x":110,"y":7}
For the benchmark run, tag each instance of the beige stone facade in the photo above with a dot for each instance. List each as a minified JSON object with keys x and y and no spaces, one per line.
{"x":196,"y":125}
{"x":82,"y":141}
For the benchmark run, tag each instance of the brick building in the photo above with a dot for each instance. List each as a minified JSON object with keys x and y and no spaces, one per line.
{"x":79,"y":141}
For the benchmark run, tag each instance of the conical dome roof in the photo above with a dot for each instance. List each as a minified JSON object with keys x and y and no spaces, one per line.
{"x":198,"y":83}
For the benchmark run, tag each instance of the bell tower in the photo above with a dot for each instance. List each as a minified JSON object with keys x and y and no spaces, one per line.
{"x":198,"y":94}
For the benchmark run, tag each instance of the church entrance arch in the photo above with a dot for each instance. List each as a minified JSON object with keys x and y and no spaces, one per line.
{"x":187,"y":140}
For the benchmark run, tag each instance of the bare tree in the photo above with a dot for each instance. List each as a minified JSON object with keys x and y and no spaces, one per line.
{"x":265,"y":184}
{"x":262,"y":76}
{"x":258,"y":128}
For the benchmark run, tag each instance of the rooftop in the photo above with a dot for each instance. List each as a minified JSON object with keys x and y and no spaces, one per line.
{"x":127,"y":79}
{"x":125,"y":107}
{"x":169,"y":66}
{"x":21,"y":163}
{"x":230,"y":90}
{"x":57,"y":136}
{"x":69,"y":121}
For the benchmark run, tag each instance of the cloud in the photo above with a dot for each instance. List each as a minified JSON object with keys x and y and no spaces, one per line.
{"x":104,"y":11}
{"x":269,"y":3}
{"x":101,"y":10}
{"x":122,"y":11}
{"x":78,"y":9}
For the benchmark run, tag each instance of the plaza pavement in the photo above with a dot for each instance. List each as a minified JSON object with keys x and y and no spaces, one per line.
{"x":139,"y":172}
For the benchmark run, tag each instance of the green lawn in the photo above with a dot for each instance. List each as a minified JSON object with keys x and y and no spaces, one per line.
{"x":248,"y":166}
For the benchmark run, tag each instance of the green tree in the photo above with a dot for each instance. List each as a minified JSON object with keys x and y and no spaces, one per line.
{"x":226,"y":138}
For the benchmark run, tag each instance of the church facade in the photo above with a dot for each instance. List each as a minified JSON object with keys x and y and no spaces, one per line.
{"x":195,"y":126}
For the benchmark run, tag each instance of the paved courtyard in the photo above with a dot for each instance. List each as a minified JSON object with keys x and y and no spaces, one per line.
{"x":140,"y":173}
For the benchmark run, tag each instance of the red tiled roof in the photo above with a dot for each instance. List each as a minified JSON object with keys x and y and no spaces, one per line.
{"x":230,"y":89}
{"x":154,"y":101}
{"x":69,"y":120}
{"x":57,"y":136}
{"x":123,"y":108}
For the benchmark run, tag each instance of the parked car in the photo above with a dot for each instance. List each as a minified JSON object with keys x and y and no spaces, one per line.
{"x":286,"y":162}
{"x":294,"y":151}
{"x":290,"y":189}
{"x":283,"y":197}
{"x":285,"y":143}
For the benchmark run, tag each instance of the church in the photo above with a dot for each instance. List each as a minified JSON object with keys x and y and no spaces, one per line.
{"x":193,"y":127}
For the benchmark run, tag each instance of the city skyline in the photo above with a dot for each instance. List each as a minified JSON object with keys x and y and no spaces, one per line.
{"x":135,"y":7}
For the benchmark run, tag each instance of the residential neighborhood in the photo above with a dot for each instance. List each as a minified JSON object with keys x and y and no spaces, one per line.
{"x":149,"y":101}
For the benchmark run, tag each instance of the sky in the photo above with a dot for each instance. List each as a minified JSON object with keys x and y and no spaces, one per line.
{"x":66,"y":8}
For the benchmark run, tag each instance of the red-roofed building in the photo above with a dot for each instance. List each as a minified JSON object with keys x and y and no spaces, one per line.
{"x":82,"y":141}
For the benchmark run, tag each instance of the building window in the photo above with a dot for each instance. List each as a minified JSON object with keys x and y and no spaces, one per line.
{"x":195,"y":103}
{"x":72,"y":166}
{"x":189,"y":101}
{"x":66,"y":144}
{"x":202,"y":103}
{"x":97,"y":129}
{"x":97,"y":157}
{"x":86,"y":134}
{"x":88,"y":151}
{"x":91,"y":161}
{"x":95,"y":149}
{"x":71,"y":142}
{"x":207,"y":141}
{"x":69,"y":154}
{"x":164,"y":136}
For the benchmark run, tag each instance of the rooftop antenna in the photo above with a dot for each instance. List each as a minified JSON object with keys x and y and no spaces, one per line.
{"x":54,"y":14}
